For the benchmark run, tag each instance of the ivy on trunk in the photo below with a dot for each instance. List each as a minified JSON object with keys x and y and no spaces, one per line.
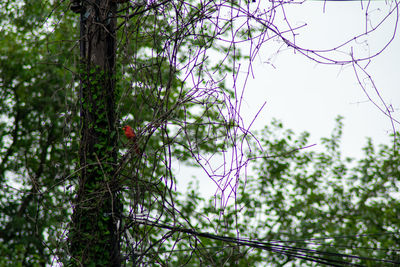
{"x":94,"y":238}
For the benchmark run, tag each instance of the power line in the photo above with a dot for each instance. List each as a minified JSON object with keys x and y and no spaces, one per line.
{"x":313,"y":255}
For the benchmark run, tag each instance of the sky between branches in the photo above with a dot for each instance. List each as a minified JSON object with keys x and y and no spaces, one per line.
{"x":307,"y":96}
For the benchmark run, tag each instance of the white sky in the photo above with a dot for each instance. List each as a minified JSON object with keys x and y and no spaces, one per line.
{"x":307,"y":96}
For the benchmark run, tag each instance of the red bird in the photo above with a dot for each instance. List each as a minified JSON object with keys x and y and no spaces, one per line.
{"x":130,"y":134}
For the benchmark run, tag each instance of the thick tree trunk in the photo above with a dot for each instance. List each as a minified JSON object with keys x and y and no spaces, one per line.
{"x":94,"y":238}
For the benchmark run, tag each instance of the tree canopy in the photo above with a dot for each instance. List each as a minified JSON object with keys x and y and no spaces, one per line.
{"x":309,"y":207}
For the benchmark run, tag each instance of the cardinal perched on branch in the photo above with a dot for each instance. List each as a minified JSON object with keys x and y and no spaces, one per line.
{"x":130,"y":134}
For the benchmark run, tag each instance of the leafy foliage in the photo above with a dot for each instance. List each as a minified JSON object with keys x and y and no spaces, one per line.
{"x":37,"y":146}
{"x":317,"y":205}
{"x":39,"y":126}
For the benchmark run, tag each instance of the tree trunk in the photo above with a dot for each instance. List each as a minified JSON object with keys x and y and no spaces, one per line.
{"x":94,"y":238}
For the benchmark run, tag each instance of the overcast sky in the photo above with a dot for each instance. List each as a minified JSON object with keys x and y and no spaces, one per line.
{"x":307,"y":96}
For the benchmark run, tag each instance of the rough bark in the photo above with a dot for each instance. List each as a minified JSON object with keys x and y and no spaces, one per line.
{"x":94,"y":238}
